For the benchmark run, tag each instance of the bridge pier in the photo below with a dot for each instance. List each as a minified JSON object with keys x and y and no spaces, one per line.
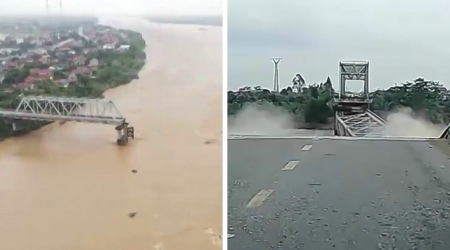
{"x":122,"y":137}
{"x":123,"y":133}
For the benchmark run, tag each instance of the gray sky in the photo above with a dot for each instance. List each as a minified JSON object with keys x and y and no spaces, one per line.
{"x":173,"y":7}
{"x":402,"y":39}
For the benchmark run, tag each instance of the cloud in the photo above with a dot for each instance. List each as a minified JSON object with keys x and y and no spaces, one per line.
{"x":401,"y":38}
{"x":173,"y":7}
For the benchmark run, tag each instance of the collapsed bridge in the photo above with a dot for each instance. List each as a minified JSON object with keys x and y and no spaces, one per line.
{"x":363,"y":192}
{"x":63,"y":109}
{"x":353,"y":116}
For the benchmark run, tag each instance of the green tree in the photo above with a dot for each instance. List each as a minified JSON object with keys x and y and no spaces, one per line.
{"x":59,"y":74}
{"x":314,"y":103}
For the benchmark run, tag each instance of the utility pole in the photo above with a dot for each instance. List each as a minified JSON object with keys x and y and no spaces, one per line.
{"x":276,"y":77}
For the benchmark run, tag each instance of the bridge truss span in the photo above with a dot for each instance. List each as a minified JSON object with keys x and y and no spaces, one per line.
{"x":62,"y":109}
{"x":66,"y":109}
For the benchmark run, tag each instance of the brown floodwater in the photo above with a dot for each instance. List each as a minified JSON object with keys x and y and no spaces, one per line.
{"x":71,"y":187}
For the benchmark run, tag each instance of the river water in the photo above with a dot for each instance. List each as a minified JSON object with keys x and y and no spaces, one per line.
{"x":71,"y":187}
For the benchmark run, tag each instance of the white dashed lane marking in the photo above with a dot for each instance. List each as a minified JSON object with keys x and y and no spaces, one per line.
{"x":307,"y":147}
{"x":259,"y":198}
{"x":290,"y":165}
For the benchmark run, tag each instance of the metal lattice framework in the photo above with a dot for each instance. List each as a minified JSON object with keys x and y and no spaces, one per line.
{"x":362,"y":125}
{"x":276,"y":74}
{"x":44,"y":108}
{"x":353,"y":70}
{"x":353,"y":117}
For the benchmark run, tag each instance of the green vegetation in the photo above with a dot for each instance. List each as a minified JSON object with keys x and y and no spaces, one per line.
{"x":116,"y":69}
{"x":314,"y":103}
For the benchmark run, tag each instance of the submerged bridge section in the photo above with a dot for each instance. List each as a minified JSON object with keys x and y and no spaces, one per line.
{"x":51,"y":109}
{"x":352,"y":114}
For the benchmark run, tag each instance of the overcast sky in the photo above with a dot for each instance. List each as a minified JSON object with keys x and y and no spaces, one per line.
{"x":174,"y":7}
{"x":402,"y":39}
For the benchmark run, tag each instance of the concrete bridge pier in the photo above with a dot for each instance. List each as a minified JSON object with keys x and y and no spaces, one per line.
{"x":123,"y":133}
{"x":122,"y":136}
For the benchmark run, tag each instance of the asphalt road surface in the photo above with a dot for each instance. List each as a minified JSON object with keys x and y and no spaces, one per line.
{"x":341,"y":195}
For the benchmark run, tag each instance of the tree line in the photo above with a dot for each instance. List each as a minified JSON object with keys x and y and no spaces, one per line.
{"x":314,"y":103}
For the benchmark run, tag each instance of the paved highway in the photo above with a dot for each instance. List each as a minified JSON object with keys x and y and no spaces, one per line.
{"x":337,"y":194}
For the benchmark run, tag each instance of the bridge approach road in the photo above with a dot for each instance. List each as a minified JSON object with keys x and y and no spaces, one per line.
{"x":342,"y":194}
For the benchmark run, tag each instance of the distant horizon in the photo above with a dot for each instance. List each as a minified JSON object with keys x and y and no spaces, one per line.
{"x":336,"y":86}
{"x":355,"y":85}
{"x":112,"y":7}
{"x":3,"y":16}
{"x":207,"y":20}
{"x":335,"y":82}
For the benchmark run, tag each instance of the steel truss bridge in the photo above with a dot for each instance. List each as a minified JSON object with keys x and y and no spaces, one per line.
{"x":353,"y":116}
{"x":40,"y":108}
{"x":63,"y":109}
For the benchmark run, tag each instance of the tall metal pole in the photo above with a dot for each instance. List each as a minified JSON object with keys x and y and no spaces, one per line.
{"x":276,"y":77}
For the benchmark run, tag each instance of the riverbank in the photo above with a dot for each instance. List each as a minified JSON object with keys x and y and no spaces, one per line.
{"x":77,"y":178}
{"x":115,"y":68}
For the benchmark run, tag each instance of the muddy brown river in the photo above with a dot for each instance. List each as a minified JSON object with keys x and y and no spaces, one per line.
{"x":71,"y":187}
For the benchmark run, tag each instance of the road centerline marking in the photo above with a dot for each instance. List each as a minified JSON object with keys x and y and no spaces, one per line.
{"x":259,"y":198}
{"x":307,"y":147}
{"x":290,"y":165}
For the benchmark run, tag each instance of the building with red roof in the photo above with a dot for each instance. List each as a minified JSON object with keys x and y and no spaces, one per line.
{"x":78,"y":60}
{"x":41,"y":72}
{"x":25,"y":85}
{"x":82,"y":71}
